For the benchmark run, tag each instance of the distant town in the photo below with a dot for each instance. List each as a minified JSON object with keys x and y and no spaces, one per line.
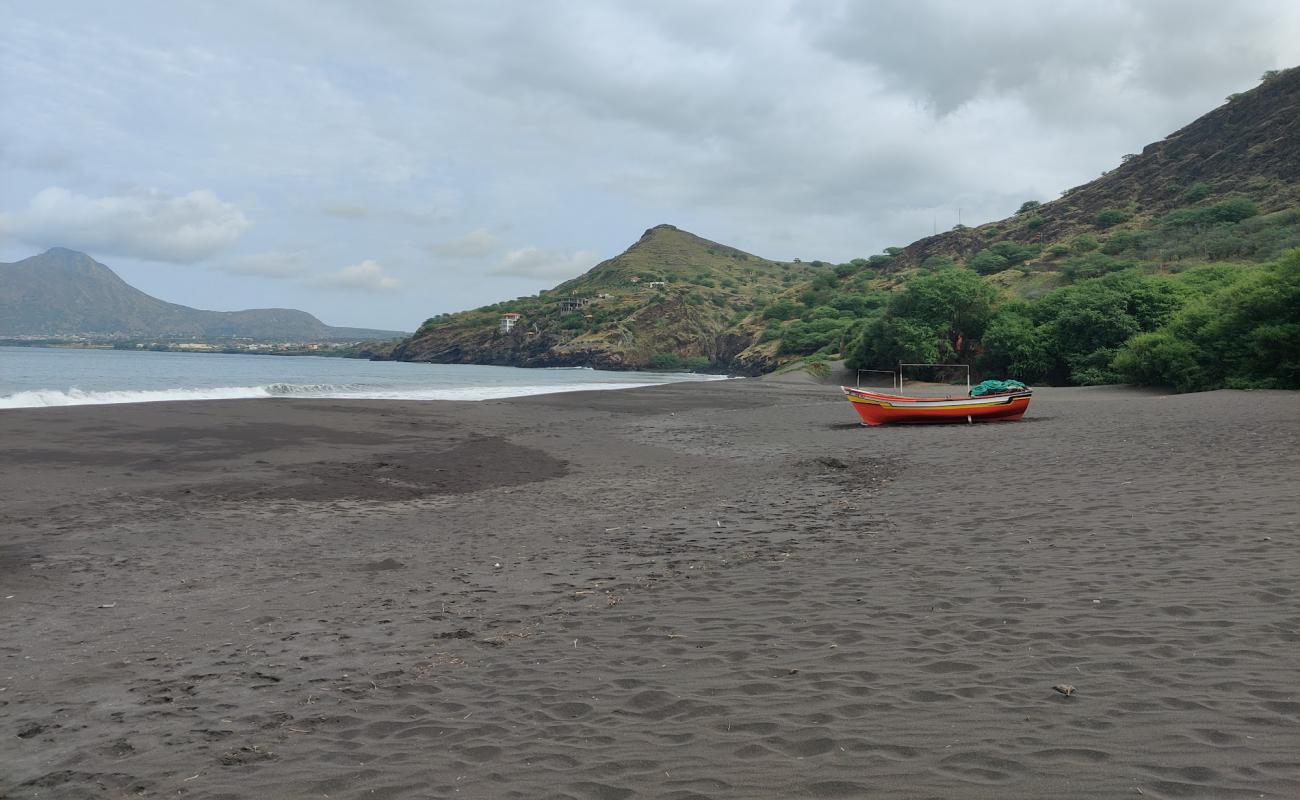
{"x":339,"y":349}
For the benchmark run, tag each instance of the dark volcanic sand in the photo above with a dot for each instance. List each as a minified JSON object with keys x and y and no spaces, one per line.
{"x":698,"y":590}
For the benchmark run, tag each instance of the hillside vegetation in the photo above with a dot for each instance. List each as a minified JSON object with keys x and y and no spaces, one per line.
{"x":1178,"y":267}
{"x":672,"y":301}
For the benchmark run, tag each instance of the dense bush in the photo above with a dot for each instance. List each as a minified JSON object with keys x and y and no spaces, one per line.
{"x":1243,"y":334}
{"x":1072,"y":334}
{"x":1110,"y":217}
{"x":1234,"y":209}
{"x":859,"y":305}
{"x":938,"y":262}
{"x":987,"y":262}
{"x":1014,"y":252}
{"x":1197,"y":192}
{"x":1093,"y":265}
{"x":672,"y":362}
{"x":782,"y":310}
{"x":802,"y":338}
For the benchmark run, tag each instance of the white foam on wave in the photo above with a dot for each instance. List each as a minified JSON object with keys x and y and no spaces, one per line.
{"x":77,"y":397}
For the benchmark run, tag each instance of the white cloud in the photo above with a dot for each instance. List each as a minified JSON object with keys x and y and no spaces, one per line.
{"x":475,"y":244}
{"x":532,"y":262}
{"x":147,"y":224}
{"x":366,"y":276}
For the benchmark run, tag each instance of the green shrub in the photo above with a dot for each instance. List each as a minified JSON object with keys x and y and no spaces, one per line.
{"x":1014,"y":252}
{"x":1027,"y":206}
{"x":1124,"y":241}
{"x":1094,"y":265}
{"x":1243,"y":334}
{"x":1197,"y":192}
{"x":1233,"y":209}
{"x":1110,"y":217}
{"x":987,"y":262}
{"x":802,"y":338}
{"x":1083,"y":243}
{"x":782,"y":310}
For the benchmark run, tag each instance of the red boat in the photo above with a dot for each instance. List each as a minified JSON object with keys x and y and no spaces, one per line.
{"x":877,"y":408}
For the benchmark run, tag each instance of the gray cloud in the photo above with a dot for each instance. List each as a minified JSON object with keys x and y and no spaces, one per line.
{"x":532,"y":262}
{"x":823,"y":130}
{"x":276,"y":264}
{"x":366,"y":276}
{"x":346,"y":212}
{"x":475,"y":244}
{"x":146,"y":224}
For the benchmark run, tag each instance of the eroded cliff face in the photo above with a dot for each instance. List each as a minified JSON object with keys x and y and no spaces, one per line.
{"x":701,"y":336}
{"x":672,"y":300}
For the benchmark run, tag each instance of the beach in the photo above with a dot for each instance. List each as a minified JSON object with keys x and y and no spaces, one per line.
{"x":696,"y":590}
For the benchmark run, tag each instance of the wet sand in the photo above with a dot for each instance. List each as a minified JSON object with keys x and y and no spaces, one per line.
{"x":693,"y":591}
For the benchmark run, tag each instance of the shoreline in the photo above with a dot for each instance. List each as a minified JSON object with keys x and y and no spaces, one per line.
{"x":88,"y":381}
{"x":703,"y":589}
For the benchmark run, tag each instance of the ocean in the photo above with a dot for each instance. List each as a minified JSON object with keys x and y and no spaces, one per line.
{"x":32,"y":377}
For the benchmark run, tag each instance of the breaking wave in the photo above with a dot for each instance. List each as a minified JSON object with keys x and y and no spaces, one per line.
{"x":77,"y":397}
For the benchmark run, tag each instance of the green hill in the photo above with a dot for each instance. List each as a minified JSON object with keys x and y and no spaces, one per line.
{"x":1187,"y":239}
{"x":671,"y":301}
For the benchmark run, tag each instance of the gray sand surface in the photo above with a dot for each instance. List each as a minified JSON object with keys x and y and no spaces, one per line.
{"x":725,"y":590}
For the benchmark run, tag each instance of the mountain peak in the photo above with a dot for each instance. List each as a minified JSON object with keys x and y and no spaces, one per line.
{"x":64,"y":256}
{"x":664,"y":228}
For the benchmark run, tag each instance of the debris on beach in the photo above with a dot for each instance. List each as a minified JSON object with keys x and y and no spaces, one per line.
{"x":1065,"y":689}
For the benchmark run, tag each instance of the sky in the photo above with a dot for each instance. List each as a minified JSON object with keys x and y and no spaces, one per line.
{"x":379,"y":163}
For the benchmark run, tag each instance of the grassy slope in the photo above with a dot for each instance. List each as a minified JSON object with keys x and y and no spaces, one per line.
{"x":1249,"y":148}
{"x":709,"y":290}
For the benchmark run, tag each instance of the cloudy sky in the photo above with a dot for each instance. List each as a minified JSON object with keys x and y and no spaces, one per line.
{"x":376,"y":163}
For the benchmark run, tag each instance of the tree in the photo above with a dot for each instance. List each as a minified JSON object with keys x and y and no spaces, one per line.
{"x":1243,"y":334}
{"x":1014,"y":347}
{"x":1086,"y":324}
{"x":938,"y":316}
{"x":1027,"y":206}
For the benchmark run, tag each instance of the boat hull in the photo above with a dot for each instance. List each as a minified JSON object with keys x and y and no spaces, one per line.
{"x":878,"y":408}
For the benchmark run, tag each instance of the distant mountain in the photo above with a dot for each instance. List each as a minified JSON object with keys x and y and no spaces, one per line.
{"x":65,"y":293}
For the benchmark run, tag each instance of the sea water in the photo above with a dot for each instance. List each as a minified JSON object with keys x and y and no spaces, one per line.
{"x":34,"y":376}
